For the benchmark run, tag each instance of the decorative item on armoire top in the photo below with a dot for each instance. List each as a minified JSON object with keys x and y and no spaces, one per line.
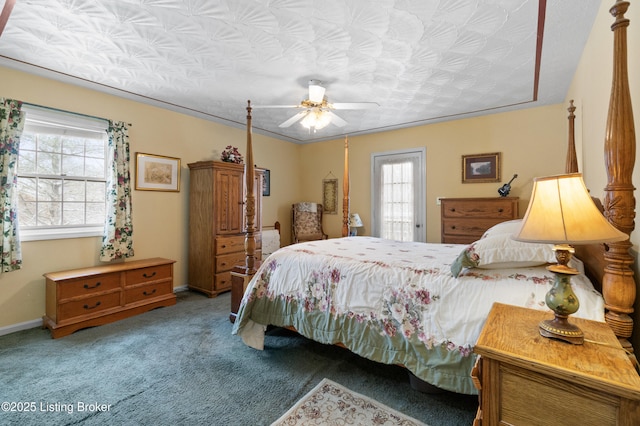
{"x":231,"y":155}
{"x":506,"y":188}
{"x":479,"y":168}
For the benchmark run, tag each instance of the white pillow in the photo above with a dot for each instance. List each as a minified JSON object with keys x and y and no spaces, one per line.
{"x":500,"y":252}
{"x":508,"y":227}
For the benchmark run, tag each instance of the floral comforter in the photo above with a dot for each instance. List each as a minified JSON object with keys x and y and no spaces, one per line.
{"x":392,"y":302}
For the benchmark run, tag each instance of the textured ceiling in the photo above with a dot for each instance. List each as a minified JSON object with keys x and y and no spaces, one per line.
{"x":422,"y":61}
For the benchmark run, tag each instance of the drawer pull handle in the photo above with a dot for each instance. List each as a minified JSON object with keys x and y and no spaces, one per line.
{"x":89,"y":287}
{"x":500,"y":210}
{"x":146,"y":293}
{"x":453,"y":227}
{"x":224,"y":246}
{"x":452,"y":209}
{"x":92,"y":307}
{"x":149,"y":276}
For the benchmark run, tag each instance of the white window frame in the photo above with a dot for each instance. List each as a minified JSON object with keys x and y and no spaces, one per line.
{"x":67,"y":123}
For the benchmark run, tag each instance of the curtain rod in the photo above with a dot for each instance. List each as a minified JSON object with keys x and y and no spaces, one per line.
{"x":68,"y":112}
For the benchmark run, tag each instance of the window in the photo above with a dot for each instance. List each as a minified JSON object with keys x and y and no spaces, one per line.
{"x":62,"y":166}
{"x":398,"y":196}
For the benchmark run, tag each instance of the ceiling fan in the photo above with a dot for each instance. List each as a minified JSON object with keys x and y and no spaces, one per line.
{"x":317,"y":111}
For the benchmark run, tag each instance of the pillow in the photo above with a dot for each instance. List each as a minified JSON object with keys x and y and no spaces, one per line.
{"x":508,"y":227}
{"x":501,"y":251}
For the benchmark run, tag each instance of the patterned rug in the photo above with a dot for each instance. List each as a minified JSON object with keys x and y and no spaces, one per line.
{"x":332,"y":404}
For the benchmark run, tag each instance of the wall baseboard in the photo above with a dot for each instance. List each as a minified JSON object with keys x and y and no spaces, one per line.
{"x":38,"y":322}
{"x":20,"y":326}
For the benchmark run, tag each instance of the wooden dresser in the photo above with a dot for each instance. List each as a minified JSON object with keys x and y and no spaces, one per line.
{"x":98,"y":295}
{"x":217,"y":223}
{"x":464,"y":220}
{"x":526,"y":379}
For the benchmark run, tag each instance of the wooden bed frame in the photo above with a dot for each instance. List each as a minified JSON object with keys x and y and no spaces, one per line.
{"x":609,"y":266}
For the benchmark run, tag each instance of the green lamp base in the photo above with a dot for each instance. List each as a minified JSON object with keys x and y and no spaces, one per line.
{"x":559,"y":328}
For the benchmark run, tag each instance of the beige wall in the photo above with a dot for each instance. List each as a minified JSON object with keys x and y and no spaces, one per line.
{"x":591,"y":88}
{"x":532,"y":143}
{"x":160,"y":219}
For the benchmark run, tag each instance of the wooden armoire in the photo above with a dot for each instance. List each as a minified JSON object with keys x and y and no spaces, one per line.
{"x":217,"y":223}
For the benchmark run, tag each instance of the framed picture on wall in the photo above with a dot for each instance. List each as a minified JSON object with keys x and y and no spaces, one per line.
{"x":266,"y":183}
{"x":157,"y":173}
{"x":330,"y":196}
{"x":479,"y":168}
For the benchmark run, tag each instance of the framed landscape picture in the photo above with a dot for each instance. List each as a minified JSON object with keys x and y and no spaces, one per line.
{"x":157,"y":172}
{"x":481,"y":168}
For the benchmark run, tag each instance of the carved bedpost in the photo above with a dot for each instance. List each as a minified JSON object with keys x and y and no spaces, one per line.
{"x":345,"y":190}
{"x":619,"y":287}
{"x":249,"y":174}
{"x":571,"y":165}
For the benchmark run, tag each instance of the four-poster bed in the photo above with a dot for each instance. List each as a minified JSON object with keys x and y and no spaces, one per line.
{"x":408,"y":324}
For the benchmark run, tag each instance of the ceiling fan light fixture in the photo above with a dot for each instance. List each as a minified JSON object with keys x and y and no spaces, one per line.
{"x":316,"y":91}
{"x":316,"y":119}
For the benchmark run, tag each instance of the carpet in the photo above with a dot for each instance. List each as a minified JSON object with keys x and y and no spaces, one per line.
{"x":330,"y":403}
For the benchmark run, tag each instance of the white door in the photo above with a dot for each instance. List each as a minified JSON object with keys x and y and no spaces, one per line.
{"x":398,"y":194}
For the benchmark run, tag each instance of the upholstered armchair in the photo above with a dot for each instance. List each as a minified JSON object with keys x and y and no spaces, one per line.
{"x":306,"y":222}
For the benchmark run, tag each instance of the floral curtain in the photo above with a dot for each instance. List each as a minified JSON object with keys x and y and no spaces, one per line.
{"x":117,"y":238}
{"x":11,"y":125}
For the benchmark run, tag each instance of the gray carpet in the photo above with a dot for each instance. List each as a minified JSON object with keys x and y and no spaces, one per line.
{"x":180,"y":365}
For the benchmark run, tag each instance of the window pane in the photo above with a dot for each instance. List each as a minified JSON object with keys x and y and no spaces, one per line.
{"x":95,"y":148}
{"x":73,"y":214}
{"x":73,"y":146}
{"x":28,"y":141}
{"x":49,"y":163}
{"x":96,"y":192}
{"x":74,"y":190}
{"x":49,"y":143}
{"x":96,"y":213}
{"x":94,"y":167}
{"x":49,"y":189}
{"x":26,"y":161}
{"x":49,"y":214}
{"x":72,"y":165}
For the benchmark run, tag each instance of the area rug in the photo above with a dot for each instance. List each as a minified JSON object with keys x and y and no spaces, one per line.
{"x":330,"y":403}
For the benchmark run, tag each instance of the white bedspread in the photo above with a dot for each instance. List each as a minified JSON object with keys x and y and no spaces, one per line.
{"x":393,"y":302}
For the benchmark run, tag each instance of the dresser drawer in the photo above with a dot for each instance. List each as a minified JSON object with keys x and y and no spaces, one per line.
{"x":228,"y":261}
{"x":491,"y":208}
{"x":222,"y":281}
{"x":149,"y":291}
{"x":471,"y":227}
{"x":88,"y":306}
{"x":225,"y":245}
{"x":151,"y":273}
{"x":86,"y":286}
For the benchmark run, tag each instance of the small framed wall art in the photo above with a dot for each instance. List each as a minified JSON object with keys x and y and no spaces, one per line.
{"x":157,"y":172}
{"x":266,"y":183}
{"x":330,"y":196}
{"x":479,"y":168}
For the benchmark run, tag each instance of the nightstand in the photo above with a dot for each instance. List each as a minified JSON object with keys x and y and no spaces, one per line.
{"x":526,"y":379}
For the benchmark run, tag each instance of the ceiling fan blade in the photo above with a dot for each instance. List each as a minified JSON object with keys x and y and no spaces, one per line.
{"x":335,"y":119}
{"x":294,"y":119}
{"x":276,"y":106}
{"x":355,"y":105}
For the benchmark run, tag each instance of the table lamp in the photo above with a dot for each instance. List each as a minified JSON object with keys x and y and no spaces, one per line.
{"x":354,"y":223}
{"x":561,"y":212}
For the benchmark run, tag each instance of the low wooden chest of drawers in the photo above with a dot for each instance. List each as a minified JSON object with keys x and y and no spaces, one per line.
{"x":88,"y":297}
{"x":464,"y":220}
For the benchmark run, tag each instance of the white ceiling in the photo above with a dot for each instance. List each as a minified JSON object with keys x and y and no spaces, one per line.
{"x":422,"y":61}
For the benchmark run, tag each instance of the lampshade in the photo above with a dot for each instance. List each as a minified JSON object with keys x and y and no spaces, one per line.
{"x":355,"y":221}
{"x":561,"y":211}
